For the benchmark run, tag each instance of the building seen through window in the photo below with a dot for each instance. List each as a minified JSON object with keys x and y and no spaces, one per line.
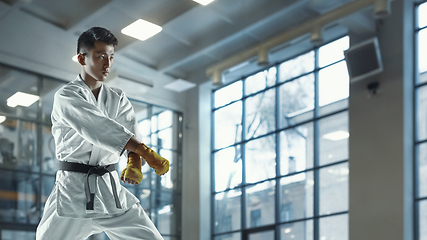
{"x":280,"y":150}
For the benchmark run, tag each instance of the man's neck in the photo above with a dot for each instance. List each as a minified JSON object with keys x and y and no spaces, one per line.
{"x":93,"y":84}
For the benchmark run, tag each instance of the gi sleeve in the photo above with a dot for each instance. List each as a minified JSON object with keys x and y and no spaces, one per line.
{"x":89,"y":121}
{"x":126,"y":117}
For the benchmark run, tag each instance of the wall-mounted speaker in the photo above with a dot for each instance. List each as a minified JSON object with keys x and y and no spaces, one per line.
{"x":363,"y":60}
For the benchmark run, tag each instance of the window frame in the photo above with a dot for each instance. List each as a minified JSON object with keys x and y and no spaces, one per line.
{"x":315,"y":169}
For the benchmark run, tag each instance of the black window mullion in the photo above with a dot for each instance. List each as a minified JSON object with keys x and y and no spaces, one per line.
{"x":316,"y":149}
{"x":243,"y":152}
{"x":278,"y":195}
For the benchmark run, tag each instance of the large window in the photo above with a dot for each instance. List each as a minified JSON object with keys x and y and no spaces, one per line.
{"x":280,"y":150}
{"x":28,"y":163}
{"x":421,"y":122}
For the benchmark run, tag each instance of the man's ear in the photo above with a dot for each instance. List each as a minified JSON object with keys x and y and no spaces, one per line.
{"x":81,"y":58}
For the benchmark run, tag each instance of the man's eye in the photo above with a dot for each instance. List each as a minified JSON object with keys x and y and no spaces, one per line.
{"x":102,"y":56}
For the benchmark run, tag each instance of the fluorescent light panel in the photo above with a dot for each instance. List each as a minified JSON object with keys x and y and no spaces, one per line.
{"x":203,"y":2}
{"x":336,"y":136}
{"x":75,"y":59}
{"x":22,"y":99}
{"x":141,"y":29}
{"x":180,"y":85}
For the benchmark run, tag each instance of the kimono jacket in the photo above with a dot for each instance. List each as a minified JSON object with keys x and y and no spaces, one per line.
{"x":92,"y":132}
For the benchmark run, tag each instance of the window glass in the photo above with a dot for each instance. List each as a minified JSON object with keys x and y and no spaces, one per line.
{"x":260,"y":208}
{"x":227,"y":125}
{"x":297,"y":101}
{"x":154,"y":124}
{"x":334,"y":227}
{"x":333,"y":51}
{"x":421,"y":113}
{"x":260,"y":81}
{"x":333,"y":192}
{"x":50,"y":163}
{"x":18,"y":198}
{"x":422,"y":57}
{"x":296,"y":149}
{"x":296,"y":200}
{"x":422,"y":224}
{"x":13,"y":82}
{"x":50,"y":87}
{"x":334,"y":83}
{"x":11,"y":234}
{"x":298,"y":230}
{"x":47,"y":186}
{"x":165,"y":119}
{"x":165,"y":138}
{"x":422,"y":15}
{"x":167,"y":220}
{"x":228,"y":94}
{"x":421,"y":158}
{"x":260,"y":159}
{"x":333,"y":138}
{"x":227,"y":210}
{"x":144,"y":197}
{"x":297,"y":66}
{"x":18,"y":145}
{"x":228,"y":168}
{"x":231,"y":236}
{"x":144,"y":128}
{"x":260,"y":114}
{"x":262,"y":235}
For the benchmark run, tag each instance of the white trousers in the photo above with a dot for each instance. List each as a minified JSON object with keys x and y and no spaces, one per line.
{"x":132,"y":225}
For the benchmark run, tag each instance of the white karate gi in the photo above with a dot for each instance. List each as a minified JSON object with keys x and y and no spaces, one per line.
{"x":92,"y":132}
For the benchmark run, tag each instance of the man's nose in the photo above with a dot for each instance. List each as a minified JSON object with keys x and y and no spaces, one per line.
{"x":108,"y":62}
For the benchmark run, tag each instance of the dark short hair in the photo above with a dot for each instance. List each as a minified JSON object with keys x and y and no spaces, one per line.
{"x":88,"y":38}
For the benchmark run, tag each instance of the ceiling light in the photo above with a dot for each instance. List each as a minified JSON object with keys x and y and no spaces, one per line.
{"x":180,"y":85}
{"x":335,"y":136}
{"x":141,"y":29}
{"x":204,"y":2}
{"x":22,"y":99}
{"x":2,"y":119}
{"x":165,"y":209}
{"x":75,"y":59}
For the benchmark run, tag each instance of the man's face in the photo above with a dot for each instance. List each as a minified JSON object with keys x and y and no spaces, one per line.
{"x":99,"y":60}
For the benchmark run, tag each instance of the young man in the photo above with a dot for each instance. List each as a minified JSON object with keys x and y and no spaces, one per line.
{"x":93,"y":125}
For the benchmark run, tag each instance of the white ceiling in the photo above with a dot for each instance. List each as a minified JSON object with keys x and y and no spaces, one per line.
{"x":41,"y":35}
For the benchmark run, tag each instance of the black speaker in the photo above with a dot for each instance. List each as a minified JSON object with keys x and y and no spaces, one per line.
{"x":363,"y":60}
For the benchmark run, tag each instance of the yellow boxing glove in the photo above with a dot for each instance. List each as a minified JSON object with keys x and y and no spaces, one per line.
{"x":132,"y":173}
{"x":154,"y":160}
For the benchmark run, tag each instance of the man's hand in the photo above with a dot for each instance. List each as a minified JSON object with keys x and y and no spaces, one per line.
{"x":132,"y":173}
{"x":154,"y":160}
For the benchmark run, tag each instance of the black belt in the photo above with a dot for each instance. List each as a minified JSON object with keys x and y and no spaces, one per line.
{"x":89,"y":170}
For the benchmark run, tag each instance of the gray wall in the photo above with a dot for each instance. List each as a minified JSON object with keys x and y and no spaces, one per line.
{"x":378,"y":160}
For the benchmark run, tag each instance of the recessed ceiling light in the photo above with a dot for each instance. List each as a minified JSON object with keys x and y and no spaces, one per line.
{"x":75,"y":58}
{"x":180,"y":85}
{"x":22,"y":99}
{"x":204,"y":2}
{"x":2,"y":119}
{"x":141,"y":29}
{"x":335,"y":136}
